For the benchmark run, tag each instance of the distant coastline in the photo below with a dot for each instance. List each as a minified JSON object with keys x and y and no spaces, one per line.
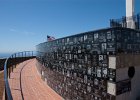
{"x":4,"y":55}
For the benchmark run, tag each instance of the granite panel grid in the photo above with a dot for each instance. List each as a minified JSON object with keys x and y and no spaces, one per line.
{"x":77,"y":67}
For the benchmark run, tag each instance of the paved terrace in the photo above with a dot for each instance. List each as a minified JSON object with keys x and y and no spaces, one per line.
{"x":32,"y":87}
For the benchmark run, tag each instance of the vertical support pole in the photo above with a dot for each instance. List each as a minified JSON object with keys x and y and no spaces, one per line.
{"x":111,"y":24}
{"x":32,"y":53}
{"x":12,"y":65}
{"x":5,"y":93}
{"x":25,"y":55}
{"x":15,"y":61}
{"x":9,"y":67}
{"x":138,"y":21}
{"x":18,"y":58}
{"x":7,"y":70}
{"x":22,"y":57}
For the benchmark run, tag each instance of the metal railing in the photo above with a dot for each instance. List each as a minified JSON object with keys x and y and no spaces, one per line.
{"x":10,"y":64}
{"x":122,"y":22}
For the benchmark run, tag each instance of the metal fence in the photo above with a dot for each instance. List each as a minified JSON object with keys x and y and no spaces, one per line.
{"x":10,"y":64}
{"x":122,"y":22}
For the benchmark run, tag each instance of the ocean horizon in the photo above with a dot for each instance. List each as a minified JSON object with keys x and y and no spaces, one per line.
{"x":5,"y":55}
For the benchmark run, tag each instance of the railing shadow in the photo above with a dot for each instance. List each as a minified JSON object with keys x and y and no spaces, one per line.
{"x":10,"y":64}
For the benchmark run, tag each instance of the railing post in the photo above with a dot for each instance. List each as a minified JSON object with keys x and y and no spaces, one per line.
{"x":138,"y":21}
{"x":32,"y":53}
{"x":12,"y":63}
{"x":15,"y":60}
{"x":9,"y":67}
{"x":5,"y":93}
{"x":25,"y":55}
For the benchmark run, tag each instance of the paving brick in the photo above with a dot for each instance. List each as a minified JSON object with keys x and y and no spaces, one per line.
{"x":33,"y":87}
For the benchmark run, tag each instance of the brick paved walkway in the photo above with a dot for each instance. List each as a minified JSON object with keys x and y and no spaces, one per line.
{"x":33,"y":87}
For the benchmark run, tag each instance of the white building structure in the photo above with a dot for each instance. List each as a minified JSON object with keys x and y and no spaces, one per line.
{"x":130,"y":13}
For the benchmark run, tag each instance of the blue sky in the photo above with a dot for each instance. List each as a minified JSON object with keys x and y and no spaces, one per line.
{"x":26,"y":23}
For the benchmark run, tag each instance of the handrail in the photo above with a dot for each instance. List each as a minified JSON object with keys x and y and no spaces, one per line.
{"x":11,"y":63}
{"x":8,"y":95}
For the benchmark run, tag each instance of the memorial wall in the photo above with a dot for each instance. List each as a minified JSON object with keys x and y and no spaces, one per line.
{"x":84,"y":66}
